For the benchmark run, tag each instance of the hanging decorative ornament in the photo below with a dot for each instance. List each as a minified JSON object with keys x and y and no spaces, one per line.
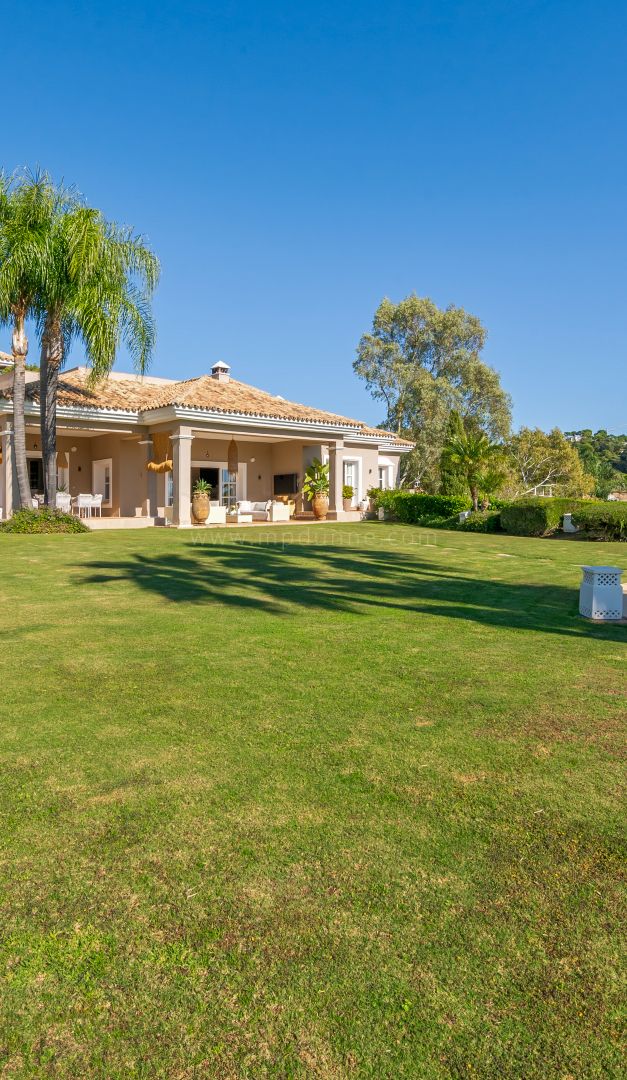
{"x":62,"y":462}
{"x":232,"y":459}
{"x":161,"y":460}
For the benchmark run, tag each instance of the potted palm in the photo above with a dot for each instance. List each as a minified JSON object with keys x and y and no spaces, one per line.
{"x":316,"y":488}
{"x":347,"y":497}
{"x":200,"y":501}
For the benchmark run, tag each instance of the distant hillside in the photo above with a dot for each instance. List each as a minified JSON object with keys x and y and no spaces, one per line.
{"x":604,"y":456}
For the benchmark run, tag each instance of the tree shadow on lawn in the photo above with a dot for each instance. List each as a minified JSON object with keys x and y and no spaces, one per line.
{"x":284,"y":580}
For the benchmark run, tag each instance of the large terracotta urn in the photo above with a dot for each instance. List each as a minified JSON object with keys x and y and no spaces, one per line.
{"x":320,"y":506}
{"x":200,"y":506}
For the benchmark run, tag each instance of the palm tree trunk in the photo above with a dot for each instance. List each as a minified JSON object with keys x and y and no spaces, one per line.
{"x":19,"y":348}
{"x":50,"y":364}
{"x":474,"y":494}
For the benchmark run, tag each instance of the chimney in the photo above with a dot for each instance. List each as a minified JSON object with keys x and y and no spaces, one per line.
{"x":220,"y":371}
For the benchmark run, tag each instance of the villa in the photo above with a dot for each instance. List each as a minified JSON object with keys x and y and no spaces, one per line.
{"x":141,"y":442}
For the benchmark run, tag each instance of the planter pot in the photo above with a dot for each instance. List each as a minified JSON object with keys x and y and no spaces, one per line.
{"x":347,"y":504}
{"x":320,"y":506}
{"x":200,"y":507}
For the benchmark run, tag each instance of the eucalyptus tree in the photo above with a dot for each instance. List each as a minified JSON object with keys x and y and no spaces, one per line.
{"x":26,"y":208}
{"x":422,"y":362}
{"x":97,"y":286}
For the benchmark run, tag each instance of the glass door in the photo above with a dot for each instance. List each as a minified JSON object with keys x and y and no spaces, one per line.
{"x":229,"y":488}
{"x":350,"y":478}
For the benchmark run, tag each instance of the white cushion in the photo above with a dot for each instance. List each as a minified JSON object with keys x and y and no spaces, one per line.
{"x":244,"y":506}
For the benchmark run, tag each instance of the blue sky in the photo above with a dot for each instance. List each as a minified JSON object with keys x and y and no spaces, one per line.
{"x":293,"y":163}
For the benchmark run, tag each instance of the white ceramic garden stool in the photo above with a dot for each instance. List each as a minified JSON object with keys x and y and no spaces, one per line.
{"x":567,"y":524}
{"x":601,"y":593}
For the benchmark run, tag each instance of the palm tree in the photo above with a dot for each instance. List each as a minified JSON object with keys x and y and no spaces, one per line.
{"x":473,"y":455}
{"x":24,"y":230}
{"x":96,"y":288}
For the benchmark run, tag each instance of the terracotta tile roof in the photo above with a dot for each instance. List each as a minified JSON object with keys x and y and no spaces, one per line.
{"x":129,"y":393}
{"x":212,"y":394}
{"x":133,"y":394}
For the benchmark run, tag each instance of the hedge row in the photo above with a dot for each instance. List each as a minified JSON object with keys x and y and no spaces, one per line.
{"x":486,"y":521}
{"x":537,"y":517}
{"x":414,"y":509}
{"x":525,"y":517}
{"x":602,"y":521}
{"x":42,"y":521}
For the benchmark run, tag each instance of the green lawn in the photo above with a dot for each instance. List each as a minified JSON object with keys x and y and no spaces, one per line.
{"x":329,"y":802}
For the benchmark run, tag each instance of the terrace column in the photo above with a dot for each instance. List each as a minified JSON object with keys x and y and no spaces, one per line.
{"x":182,"y":475}
{"x":6,"y":472}
{"x":149,"y":495}
{"x":336,"y":460}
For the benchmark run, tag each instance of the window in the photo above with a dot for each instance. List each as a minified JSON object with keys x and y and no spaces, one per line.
{"x":384,"y":477}
{"x":229,"y":488}
{"x":169,"y":488}
{"x":351,"y":478}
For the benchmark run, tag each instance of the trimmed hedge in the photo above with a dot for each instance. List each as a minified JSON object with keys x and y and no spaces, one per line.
{"x":602,"y":521}
{"x":414,"y":509}
{"x":539,"y":516}
{"x":42,"y":521}
{"x":486,"y":521}
{"x":525,"y":517}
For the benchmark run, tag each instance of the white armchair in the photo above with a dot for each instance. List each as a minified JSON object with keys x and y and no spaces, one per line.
{"x":63,"y":502}
{"x":217,"y":514}
{"x":279,"y":511}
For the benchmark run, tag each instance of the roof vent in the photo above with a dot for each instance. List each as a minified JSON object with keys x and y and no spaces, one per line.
{"x":220,"y":371}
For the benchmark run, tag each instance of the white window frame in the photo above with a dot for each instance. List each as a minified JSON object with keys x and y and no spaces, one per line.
{"x":385,"y":476}
{"x":104,"y":463}
{"x":242,"y":477}
{"x":357,"y":486}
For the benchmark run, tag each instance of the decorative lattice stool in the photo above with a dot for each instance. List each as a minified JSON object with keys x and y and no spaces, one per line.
{"x":601,"y":593}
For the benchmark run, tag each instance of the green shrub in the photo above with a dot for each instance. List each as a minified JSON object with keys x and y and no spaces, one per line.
{"x":602,"y":521}
{"x":539,"y":516}
{"x":413,"y":508}
{"x":487,"y":521}
{"x":42,"y":521}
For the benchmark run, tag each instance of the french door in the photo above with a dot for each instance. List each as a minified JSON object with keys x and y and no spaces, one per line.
{"x":351,"y":479}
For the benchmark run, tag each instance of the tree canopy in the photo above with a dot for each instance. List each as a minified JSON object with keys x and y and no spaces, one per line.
{"x":537,"y":459}
{"x":424,"y":362}
{"x":604,"y":456}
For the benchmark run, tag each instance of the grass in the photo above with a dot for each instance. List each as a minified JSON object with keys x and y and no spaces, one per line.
{"x":340,"y":802}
